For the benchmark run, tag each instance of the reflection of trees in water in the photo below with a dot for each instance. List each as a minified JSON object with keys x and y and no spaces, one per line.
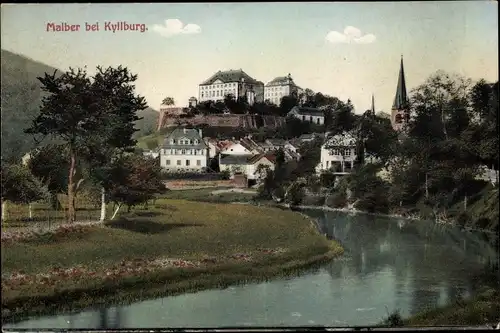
{"x":437,"y":257}
{"x":110,"y":318}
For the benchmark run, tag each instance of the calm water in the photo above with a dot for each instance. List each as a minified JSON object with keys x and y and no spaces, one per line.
{"x":388,"y":265}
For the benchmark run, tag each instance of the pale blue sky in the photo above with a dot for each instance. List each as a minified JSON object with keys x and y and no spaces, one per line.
{"x":268,"y":40}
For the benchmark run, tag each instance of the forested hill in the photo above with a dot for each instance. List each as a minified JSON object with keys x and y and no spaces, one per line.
{"x":21,"y":98}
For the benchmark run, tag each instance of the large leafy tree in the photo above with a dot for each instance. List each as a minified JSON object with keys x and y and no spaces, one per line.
{"x":91,"y":116}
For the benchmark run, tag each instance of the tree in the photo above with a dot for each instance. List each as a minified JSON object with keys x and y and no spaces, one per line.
{"x":89,"y":116}
{"x":287,"y":103}
{"x":20,"y":186}
{"x":134,"y":179}
{"x":50,"y":165}
{"x":168,"y":101}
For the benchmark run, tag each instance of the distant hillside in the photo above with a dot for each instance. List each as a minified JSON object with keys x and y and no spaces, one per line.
{"x":21,"y":97}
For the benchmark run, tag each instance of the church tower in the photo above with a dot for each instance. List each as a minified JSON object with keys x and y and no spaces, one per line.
{"x":372,"y":110}
{"x":400,"y":106}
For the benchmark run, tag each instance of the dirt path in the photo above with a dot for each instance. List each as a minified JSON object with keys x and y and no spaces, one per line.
{"x":234,"y":190}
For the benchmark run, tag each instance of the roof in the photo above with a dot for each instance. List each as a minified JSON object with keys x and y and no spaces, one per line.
{"x":307,"y":136}
{"x":190,"y":134}
{"x":230,"y":76}
{"x":245,"y":159}
{"x":249,"y":144}
{"x":343,"y":139}
{"x":281,"y":81}
{"x":308,"y":111}
{"x":295,"y":142}
{"x":277,"y":142}
{"x":401,"y":98}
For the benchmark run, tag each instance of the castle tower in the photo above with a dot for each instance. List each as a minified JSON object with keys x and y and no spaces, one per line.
{"x":400,"y":106}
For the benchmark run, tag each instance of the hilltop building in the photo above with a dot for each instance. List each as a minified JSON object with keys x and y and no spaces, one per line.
{"x":234,"y":82}
{"x":400,"y":107}
{"x":280,"y":87}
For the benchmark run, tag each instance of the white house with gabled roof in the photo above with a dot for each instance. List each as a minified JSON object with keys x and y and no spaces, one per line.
{"x":184,"y":150}
{"x":338,"y":153}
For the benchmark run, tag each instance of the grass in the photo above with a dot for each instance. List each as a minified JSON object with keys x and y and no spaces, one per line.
{"x":171,"y":228}
{"x":482,"y":310}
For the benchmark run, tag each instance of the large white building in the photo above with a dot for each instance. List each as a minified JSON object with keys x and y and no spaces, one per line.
{"x":184,"y":150}
{"x":338,"y":153}
{"x":234,"y":82}
{"x":280,"y":87}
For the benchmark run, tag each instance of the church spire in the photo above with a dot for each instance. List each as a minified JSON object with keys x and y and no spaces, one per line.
{"x":401,"y":98}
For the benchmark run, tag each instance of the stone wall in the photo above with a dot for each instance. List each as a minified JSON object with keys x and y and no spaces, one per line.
{"x":233,"y":120}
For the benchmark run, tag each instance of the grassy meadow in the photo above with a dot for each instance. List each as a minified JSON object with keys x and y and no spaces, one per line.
{"x":169,"y":228}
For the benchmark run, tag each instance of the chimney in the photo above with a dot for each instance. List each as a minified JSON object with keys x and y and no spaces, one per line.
{"x":199,"y":132}
{"x":184,"y":130}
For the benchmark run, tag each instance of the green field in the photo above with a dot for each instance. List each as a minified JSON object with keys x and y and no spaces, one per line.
{"x":170,"y":228}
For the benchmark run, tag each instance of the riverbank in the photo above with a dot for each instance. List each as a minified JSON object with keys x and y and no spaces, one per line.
{"x":176,"y":246}
{"x":483,"y":310}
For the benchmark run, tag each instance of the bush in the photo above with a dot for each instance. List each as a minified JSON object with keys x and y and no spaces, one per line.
{"x":225,"y":175}
{"x":394,"y":320}
{"x":337,"y":200}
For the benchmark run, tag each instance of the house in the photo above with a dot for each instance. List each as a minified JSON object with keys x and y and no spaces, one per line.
{"x":277,"y":143}
{"x":338,"y":153}
{"x":184,"y":150}
{"x":213,"y":147}
{"x":266,"y":147}
{"x":313,"y":115}
{"x":247,"y":165}
{"x":237,"y":148}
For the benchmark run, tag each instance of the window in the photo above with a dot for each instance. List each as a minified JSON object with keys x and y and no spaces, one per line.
{"x":198,"y":162}
{"x":183,"y":152}
{"x":310,"y":118}
{"x":202,"y":95}
{"x":347,"y":152}
{"x":303,"y":118}
{"x":187,"y":142}
{"x":187,"y":162}
{"x":317,"y":120}
{"x":167,"y":162}
{"x":195,"y":141}
{"x":172,"y":141}
{"x":178,"y":162}
{"x":200,"y":152}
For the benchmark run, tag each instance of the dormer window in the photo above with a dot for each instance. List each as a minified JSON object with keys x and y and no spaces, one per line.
{"x":195,"y":141}
{"x":172,"y":141}
{"x":188,"y":142}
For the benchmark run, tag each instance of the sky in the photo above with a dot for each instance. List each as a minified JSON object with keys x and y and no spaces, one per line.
{"x":348,"y":50}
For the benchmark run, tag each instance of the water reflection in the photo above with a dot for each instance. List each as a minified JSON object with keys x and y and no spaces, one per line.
{"x":388,"y":265}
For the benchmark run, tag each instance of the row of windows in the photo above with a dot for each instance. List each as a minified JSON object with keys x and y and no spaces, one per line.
{"x":276,"y":88}
{"x":311,"y":119}
{"x":186,"y":162}
{"x":225,"y":85}
{"x":340,"y":152}
{"x":328,"y":165}
{"x":218,"y":93}
{"x":184,"y":141}
{"x":183,"y":152}
{"x":269,"y":94}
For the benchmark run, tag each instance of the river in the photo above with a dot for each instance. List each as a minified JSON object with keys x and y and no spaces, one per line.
{"x":389,"y":264}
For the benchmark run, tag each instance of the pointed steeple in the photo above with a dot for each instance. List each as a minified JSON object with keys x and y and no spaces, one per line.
{"x":373,"y":104}
{"x":401,"y":99}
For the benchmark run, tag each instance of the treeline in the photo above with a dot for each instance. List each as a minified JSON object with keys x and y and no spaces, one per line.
{"x":433,"y":169}
{"x":240,"y":105}
{"x":92,"y":119}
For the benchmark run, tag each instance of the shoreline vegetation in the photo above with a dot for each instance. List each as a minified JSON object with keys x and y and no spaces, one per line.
{"x":174,"y":246}
{"x":186,"y":276}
